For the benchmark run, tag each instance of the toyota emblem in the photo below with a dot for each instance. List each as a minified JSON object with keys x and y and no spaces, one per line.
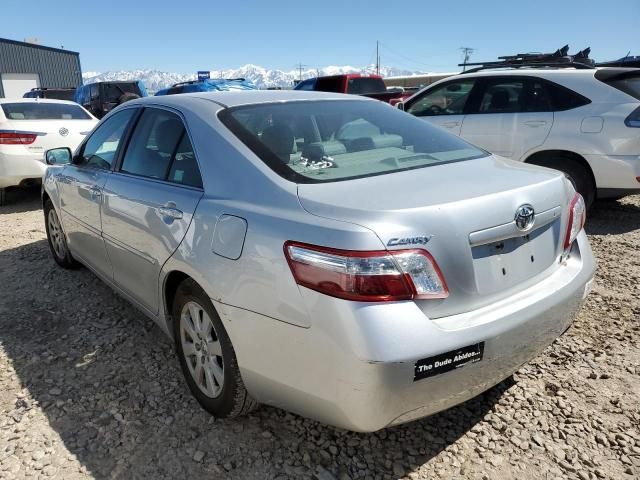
{"x":525,"y":216}
{"x":63,"y":131}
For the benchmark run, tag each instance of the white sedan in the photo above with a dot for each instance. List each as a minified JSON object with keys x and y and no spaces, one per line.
{"x":30,"y":126}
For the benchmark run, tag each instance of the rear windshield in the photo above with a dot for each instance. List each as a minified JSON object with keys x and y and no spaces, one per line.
{"x":333,"y":140}
{"x":115,"y":90}
{"x":629,"y":85}
{"x":364,"y":85}
{"x":43,"y":111}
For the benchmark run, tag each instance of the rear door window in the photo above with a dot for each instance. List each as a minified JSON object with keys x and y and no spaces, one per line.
{"x":502,"y":96}
{"x":448,"y":99}
{"x":43,"y":111}
{"x":160,"y":148}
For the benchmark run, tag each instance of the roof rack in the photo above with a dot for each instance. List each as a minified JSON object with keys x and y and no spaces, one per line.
{"x":192,"y":82}
{"x":626,"y":61}
{"x":558,"y":59}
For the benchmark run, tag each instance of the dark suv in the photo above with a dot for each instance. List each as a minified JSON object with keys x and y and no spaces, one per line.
{"x":52,"y":93}
{"x":101,"y":97}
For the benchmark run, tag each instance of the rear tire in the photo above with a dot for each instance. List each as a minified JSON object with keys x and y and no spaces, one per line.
{"x":57,"y":239}
{"x":579,"y":175}
{"x":206,"y":354}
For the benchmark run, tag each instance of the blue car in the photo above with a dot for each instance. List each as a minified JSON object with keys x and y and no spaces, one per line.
{"x":210,"y":85}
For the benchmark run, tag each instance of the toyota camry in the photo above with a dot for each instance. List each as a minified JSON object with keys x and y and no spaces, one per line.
{"x":322,"y":253}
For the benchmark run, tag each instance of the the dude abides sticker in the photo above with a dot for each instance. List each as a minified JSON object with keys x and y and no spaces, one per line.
{"x":445,"y":362}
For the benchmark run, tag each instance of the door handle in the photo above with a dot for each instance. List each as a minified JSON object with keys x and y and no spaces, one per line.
{"x":450,"y":124}
{"x":170,"y":212}
{"x":535,"y":123}
{"x":96,"y":193}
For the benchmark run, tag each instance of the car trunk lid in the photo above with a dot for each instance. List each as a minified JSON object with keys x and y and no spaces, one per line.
{"x":466,"y":212}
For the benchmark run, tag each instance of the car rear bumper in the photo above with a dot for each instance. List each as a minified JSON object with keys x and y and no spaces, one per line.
{"x":15,"y":169}
{"x":354,"y":367}
{"x":620,"y":172}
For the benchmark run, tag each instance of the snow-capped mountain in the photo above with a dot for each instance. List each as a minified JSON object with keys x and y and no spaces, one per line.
{"x":262,"y":77}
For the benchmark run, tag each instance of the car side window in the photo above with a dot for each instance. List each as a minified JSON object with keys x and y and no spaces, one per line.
{"x":100,"y":149}
{"x":538,"y":98}
{"x":502,"y":96}
{"x":184,"y":168}
{"x":160,"y":149}
{"x":448,"y":99}
{"x":563,"y":98}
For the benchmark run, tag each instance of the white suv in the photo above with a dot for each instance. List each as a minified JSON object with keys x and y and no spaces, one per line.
{"x":28,"y":127}
{"x":585,"y":122}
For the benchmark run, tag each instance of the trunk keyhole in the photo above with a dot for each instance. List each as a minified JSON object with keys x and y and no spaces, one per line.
{"x":504,"y":271}
{"x":532,"y":260}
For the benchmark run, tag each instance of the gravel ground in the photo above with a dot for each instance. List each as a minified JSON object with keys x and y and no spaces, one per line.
{"x":89,"y":388}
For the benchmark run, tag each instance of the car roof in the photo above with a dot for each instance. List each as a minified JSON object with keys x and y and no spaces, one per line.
{"x":37,"y":100}
{"x":247,"y":97}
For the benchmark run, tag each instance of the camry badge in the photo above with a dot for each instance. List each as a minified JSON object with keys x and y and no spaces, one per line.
{"x":63,"y":131}
{"x":525,"y":217}
{"x":422,"y":240}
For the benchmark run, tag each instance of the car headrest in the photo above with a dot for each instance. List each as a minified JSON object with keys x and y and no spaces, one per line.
{"x":280,"y":140}
{"x":167,"y":134}
{"x":499,"y":99}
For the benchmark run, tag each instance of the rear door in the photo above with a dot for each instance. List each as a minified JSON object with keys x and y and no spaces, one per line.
{"x":508,"y":116}
{"x":149,"y":202}
{"x":443,"y":105}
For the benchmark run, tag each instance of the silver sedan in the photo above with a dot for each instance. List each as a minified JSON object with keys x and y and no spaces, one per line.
{"x":322,"y":253}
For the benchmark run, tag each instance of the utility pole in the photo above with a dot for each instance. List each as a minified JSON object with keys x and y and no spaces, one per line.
{"x":377,"y":57}
{"x":466,"y":54}
{"x":300,"y":67}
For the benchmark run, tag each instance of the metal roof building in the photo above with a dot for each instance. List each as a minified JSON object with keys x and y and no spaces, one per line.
{"x":24,"y":66}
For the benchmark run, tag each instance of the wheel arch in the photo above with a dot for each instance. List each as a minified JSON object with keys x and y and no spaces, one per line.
{"x":169,"y":289}
{"x":538,"y":158}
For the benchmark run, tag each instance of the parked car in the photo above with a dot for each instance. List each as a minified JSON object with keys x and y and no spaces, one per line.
{"x":368,"y":85}
{"x":325,"y":254}
{"x":210,"y":85}
{"x":52,"y":93}
{"x":100,"y":98}
{"x":584,"y":122}
{"x":28,"y":127}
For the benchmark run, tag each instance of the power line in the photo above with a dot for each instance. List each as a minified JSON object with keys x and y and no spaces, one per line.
{"x":466,"y":55}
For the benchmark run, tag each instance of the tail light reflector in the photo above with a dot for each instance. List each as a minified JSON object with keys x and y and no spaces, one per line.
{"x":577,"y":217}
{"x":17,"y":138}
{"x":368,"y":276}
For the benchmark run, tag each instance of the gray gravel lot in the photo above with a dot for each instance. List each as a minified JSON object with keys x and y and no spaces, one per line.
{"x":89,"y":388}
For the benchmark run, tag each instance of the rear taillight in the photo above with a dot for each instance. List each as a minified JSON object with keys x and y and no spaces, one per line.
{"x":17,"y":138}
{"x":633,"y":120}
{"x":367,"y":276}
{"x":577,"y":216}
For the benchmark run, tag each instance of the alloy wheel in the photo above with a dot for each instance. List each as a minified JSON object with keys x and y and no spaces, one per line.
{"x":201,"y":349}
{"x":56,"y":235}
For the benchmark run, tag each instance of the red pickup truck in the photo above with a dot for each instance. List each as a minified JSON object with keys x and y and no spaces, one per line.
{"x":355,"y":83}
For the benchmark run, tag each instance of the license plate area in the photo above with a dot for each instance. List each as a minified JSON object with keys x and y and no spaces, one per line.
{"x":512,"y":261}
{"x":445,"y":362}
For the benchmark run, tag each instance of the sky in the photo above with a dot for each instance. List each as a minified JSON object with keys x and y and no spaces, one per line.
{"x":425,"y":36}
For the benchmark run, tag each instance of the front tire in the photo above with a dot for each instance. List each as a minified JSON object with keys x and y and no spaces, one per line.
{"x":57,"y":239}
{"x":206,"y":355}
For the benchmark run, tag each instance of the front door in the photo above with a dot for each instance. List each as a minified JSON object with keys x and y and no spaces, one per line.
{"x":149,"y":202}
{"x":81,"y":185}
{"x":443,"y":105}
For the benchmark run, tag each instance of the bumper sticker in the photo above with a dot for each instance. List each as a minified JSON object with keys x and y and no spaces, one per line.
{"x":445,"y":362}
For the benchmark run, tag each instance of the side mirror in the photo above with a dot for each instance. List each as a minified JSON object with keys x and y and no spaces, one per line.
{"x":58,"y":156}
{"x":400,"y":106}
